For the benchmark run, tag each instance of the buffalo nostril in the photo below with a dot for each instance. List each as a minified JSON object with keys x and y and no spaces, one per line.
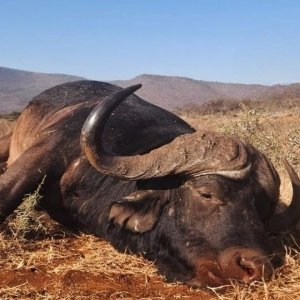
{"x":250,"y":268}
{"x":245,"y":264}
{"x":254,"y":268}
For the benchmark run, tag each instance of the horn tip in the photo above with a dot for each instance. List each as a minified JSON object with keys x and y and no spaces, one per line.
{"x":137,"y":86}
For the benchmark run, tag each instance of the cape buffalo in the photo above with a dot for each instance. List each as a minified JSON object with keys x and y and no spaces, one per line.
{"x":199,"y":204}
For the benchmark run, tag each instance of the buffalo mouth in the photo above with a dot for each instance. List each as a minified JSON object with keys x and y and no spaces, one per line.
{"x":207,"y":274}
{"x":235,"y":264}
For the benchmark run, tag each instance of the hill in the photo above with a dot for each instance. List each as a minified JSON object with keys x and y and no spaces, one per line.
{"x":173,"y":92}
{"x":18,"y":87}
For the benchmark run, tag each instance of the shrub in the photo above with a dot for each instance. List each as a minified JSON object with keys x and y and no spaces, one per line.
{"x":251,"y":128}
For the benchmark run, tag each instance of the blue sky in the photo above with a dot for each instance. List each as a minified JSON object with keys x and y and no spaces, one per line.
{"x":232,"y":41}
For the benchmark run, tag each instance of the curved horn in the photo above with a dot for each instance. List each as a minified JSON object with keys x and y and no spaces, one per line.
{"x":193,"y":154}
{"x":291,"y":215}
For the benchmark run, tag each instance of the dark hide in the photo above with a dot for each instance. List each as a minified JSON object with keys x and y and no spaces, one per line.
{"x":51,"y":124}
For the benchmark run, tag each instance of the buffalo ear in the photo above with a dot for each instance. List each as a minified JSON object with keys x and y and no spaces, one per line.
{"x":139,"y":211}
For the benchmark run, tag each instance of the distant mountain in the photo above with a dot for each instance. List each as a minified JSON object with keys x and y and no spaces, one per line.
{"x":18,"y":87}
{"x":176,"y":92}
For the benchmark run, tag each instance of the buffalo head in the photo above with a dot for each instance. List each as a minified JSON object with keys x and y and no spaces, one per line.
{"x":203,"y":205}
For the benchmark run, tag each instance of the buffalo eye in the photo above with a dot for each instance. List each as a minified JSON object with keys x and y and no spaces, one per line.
{"x":206,"y":195}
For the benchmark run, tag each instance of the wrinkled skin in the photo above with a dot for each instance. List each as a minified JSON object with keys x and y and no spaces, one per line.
{"x":204,"y":230}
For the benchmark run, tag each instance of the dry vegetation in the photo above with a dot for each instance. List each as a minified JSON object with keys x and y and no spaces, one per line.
{"x":39,"y":259}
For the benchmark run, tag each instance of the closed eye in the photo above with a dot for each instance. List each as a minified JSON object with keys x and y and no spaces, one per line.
{"x":206,"y":195}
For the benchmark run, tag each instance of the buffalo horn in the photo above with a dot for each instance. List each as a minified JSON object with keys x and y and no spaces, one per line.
{"x":193,"y":154}
{"x":291,"y":215}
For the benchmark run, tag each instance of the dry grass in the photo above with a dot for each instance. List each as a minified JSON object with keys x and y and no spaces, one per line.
{"x":62,"y":265}
{"x":26,"y":219}
{"x":55,"y":263}
{"x":39,"y":259}
{"x":251,"y":128}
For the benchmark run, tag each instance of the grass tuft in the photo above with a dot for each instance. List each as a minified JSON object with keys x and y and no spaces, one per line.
{"x":27,"y":220}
